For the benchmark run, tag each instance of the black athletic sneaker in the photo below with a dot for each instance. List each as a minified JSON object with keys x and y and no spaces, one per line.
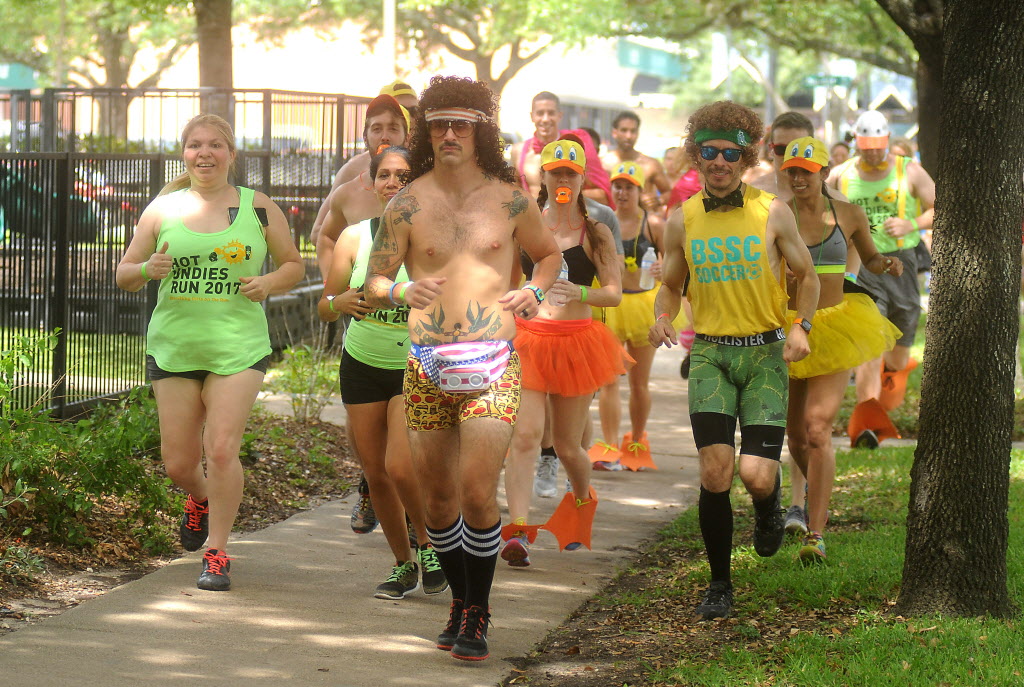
{"x":195,"y":524}
{"x":769,"y":530}
{"x":471,"y":644}
{"x":717,"y":602}
{"x":434,"y":581}
{"x":364,"y":518}
{"x":216,"y":566}
{"x":404,"y":579}
{"x":450,"y":633}
{"x":867,"y":439}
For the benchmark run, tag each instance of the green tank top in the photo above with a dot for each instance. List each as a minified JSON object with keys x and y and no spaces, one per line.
{"x":381,"y":339}
{"x":201,"y":320}
{"x":888,"y":197}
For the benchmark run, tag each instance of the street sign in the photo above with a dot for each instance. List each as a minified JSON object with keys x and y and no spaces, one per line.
{"x":826,"y":80}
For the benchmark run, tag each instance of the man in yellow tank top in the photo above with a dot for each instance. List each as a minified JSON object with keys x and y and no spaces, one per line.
{"x":898,"y":196}
{"x":728,"y":248}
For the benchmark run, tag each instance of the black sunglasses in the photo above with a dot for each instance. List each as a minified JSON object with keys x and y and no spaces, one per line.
{"x":779,"y":149}
{"x":461,"y":128}
{"x":709,"y":153}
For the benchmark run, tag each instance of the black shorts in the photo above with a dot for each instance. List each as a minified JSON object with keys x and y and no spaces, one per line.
{"x":362,"y":383}
{"x":154,"y":372}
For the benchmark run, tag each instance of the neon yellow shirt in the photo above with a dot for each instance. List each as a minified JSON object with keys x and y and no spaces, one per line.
{"x":732,"y":289}
{"x":882,"y":199}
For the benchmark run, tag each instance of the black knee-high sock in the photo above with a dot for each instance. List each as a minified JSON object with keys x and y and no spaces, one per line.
{"x":715,"y":512}
{"x":480,"y":548}
{"x":448,"y":547}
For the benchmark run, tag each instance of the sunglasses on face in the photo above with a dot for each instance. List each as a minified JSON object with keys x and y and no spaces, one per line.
{"x":413,"y":111}
{"x":709,"y":153}
{"x":461,"y":128}
{"x":779,"y":149}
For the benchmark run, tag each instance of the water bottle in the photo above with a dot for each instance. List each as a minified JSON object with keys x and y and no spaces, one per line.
{"x":563,"y":274}
{"x":646,"y":265}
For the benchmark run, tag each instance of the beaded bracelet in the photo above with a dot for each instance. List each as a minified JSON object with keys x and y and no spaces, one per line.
{"x":538,"y":294}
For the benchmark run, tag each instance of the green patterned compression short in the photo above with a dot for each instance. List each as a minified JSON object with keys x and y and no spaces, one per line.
{"x":750,"y":383}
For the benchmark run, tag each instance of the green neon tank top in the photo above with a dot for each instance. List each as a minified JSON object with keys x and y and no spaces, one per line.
{"x":201,"y":320}
{"x":381,"y":339}
{"x":882,"y":199}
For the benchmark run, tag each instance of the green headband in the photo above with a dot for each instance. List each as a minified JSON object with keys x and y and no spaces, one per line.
{"x":737,"y":136}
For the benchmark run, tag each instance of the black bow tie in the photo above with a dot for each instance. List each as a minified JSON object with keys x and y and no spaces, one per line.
{"x":734,"y":199}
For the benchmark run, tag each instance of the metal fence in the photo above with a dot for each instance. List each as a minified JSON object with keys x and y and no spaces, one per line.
{"x":67,"y":214}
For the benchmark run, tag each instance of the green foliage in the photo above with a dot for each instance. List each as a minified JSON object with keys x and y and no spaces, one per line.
{"x":18,"y":564}
{"x":843,"y":634}
{"x":308,"y":373}
{"x":53,"y":475}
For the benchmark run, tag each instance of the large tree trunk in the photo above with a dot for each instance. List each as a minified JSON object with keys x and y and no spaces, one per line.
{"x":957,"y":527}
{"x":213,"y":33}
{"x":929,"y":108}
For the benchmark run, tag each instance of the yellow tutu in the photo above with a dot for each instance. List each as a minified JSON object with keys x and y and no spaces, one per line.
{"x":634,"y":317}
{"x":844,"y":336}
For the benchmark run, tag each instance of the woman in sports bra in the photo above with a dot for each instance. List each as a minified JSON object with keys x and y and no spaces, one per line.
{"x":630,"y":322}
{"x":371,"y":372}
{"x":566,"y":356}
{"x":848,"y":330}
{"x":204,"y":241}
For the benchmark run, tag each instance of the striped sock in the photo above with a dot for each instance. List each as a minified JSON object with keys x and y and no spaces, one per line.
{"x":480,"y":548}
{"x":448,"y":547}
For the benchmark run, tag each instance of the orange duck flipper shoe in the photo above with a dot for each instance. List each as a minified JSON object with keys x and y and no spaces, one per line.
{"x":870,"y":416}
{"x":603,"y":452}
{"x":573,"y":521}
{"x":636,"y":455}
{"x":515,"y":529}
{"x":894,"y":385}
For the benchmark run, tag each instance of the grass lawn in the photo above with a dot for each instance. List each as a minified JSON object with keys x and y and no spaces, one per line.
{"x":832,"y":624}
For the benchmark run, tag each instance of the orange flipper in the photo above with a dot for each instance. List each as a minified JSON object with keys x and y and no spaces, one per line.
{"x":512,"y":530}
{"x":894,"y":385}
{"x":571,"y":522}
{"x":604,"y":452}
{"x":636,"y":455}
{"x":871,"y":415}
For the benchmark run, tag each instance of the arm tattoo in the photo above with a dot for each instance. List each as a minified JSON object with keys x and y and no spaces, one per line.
{"x":383,"y":264}
{"x":517,"y":205}
{"x":403,"y":207}
{"x":480,"y":325}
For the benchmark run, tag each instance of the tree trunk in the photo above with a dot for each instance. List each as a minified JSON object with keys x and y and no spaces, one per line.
{"x":957,"y":528}
{"x":213,"y":33}
{"x":929,"y":108}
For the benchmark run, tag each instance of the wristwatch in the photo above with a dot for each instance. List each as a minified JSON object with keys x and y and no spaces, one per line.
{"x":330,"y":302}
{"x":804,"y":324}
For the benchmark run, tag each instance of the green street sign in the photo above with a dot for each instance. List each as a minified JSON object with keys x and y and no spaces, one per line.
{"x":826,"y":80}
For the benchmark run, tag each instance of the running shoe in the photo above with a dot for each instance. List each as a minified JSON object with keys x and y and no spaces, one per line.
{"x":796,"y":521}
{"x":195,"y":524}
{"x":434,"y":581}
{"x":813,"y":550}
{"x":607,"y":466}
{"x":517,"y":551}
{"x":216,"y":566}
{"x":364,"y":518}
{"x":450,"y":633}
{"x":769,"y":531}
{"x":471,"y":644}
{"x":867,"y":439}
{"x":717,"y":602}
{"x":404,"y":579}
{"x":545,"y":480}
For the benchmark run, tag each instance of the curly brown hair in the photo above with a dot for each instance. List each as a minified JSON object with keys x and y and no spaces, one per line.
{"x":455,"y":91}
{"x":721,"y":115}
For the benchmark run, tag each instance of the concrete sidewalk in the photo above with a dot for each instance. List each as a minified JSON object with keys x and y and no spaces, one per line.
{"x":302,"y":609}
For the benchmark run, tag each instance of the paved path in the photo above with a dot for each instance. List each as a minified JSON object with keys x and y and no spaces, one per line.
{"x":302,"y":612}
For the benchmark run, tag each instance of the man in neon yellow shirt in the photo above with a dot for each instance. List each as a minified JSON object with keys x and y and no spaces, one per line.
{"x":728,"y":247}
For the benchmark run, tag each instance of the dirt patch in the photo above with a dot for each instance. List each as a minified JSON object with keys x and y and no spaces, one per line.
{"x":289,"y":467}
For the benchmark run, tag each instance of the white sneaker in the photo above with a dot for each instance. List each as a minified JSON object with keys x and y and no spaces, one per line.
{"x":545,"y":481}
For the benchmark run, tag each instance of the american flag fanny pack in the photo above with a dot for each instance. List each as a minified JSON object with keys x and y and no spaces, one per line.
{"x":464,"y":367}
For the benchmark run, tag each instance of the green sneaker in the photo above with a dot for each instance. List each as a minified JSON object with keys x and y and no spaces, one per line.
{"x":434,"y":581}
{"x":813,"y":550}
{"x":404,"y":579}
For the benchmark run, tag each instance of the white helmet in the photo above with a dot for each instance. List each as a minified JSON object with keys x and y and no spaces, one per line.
{"x":872,"y":130}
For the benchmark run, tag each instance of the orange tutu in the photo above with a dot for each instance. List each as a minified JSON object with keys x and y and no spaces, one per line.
{"x":568,"y":357}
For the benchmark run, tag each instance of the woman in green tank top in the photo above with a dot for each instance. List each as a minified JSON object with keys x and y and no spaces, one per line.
{"x":204,"y":241}
{"x":371,"y":373}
